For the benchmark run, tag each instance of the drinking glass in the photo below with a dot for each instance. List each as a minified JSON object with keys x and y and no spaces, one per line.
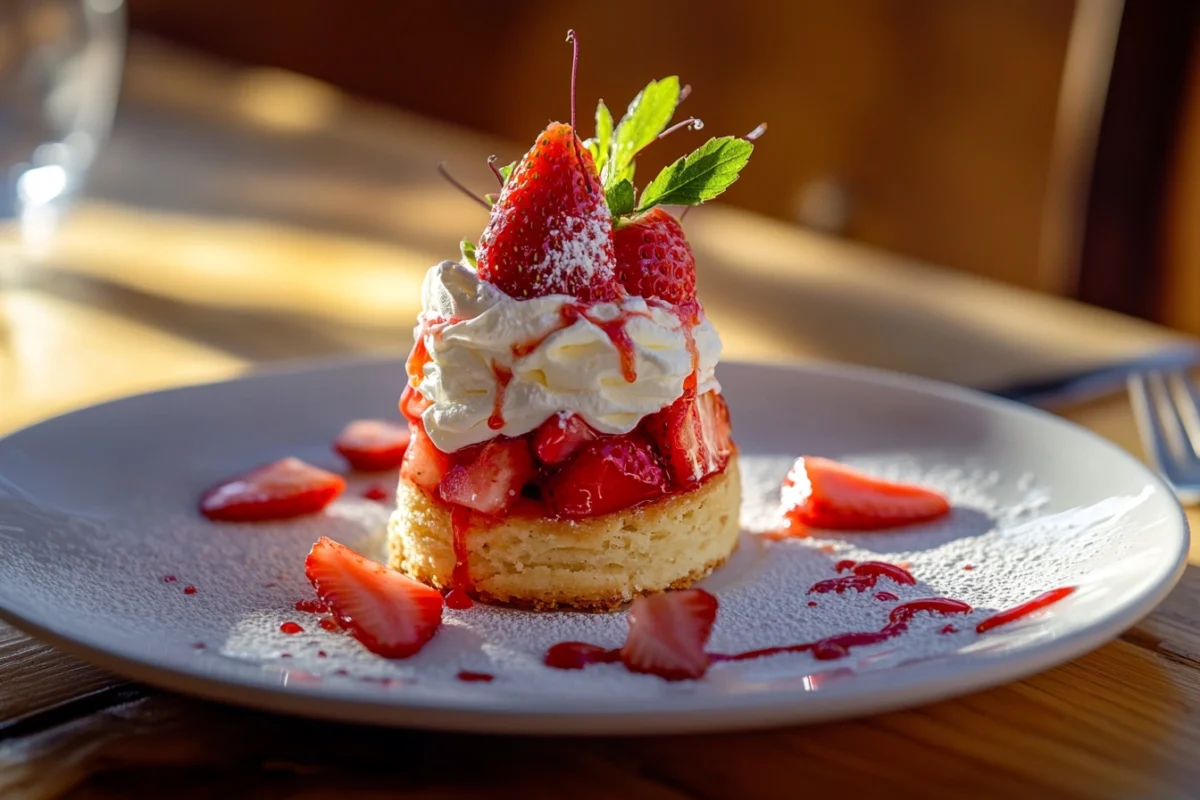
{"x":60,"y":67}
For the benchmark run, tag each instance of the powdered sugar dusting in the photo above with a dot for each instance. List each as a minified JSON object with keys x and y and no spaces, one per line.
{"x":578,"y":252}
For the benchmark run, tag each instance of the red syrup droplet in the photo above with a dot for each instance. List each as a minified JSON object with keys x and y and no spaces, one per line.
{"x":948,"y":629}
{"x":886,"y":597}
{"x":329,"y":624}
{"x":169,"y":579}
{"x":291,"y":628}
{"x":377,"y":493}
{"x":285,"y":655}
{"x":270,"y":585}
{"x":843,"y":565}
{"x":577,"y":655}
{"x":503,"y":376}
{"x":968,"y":567}
{"x":1025,"y":609}
{"x":189,"y":589}
{"x":322,"y":654}
{"x":475,"y":677}
{"x":340,"y":672}
{"x":312,"y":606}
{"x":199,"y":646}
{"x":460,"y":523}
{"x":458,"y":600}
{"x":812,"y":603}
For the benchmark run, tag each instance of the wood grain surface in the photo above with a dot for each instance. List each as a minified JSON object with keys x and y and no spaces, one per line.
{"x":240,"y":218}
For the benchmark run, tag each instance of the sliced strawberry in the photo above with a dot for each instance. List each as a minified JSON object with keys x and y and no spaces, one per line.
{"x":287,"y":488}
{"x":550,"y":231}
{"x":413,"y":403}
{"x":607,"y":475}
{"x":390,"y":613}
{"x":692,"y":436}
{"x":668,"y":632}
{"x":654,"y":258}
{"x":842,"y":498}
{"x":493,"y":480}
{"x":423,"y":463}
{"x":560,"y":437}
{"x":373,"y":444}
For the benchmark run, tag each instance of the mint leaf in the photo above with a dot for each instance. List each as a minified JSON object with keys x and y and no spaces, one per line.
{"x":621,"y":198}
{"x":603,"y":139}
{"x":646,"y":117}
{"x":593,"y":147}
{"x":700,"y":176}
{"x":507,"y":170}
{"x":468,"y":252}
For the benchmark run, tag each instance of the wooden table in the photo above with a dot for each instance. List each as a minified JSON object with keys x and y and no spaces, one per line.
{"x":240,"y":217}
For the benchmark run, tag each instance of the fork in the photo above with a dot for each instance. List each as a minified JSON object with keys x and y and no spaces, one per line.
{"x":1166,"y":406}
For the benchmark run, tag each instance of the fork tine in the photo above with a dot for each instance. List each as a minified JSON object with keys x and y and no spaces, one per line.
{"x":1186,"y":397}
{"x":1149,"y":423}
{"x":1161,"y":425}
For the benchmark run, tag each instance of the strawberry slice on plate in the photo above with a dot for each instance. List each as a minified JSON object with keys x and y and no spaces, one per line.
{"x":560,"y":437}
{"x":373,"y":445}
{"x":607,"y":475}
{"x":493,"y":479}
{"x":668,"y":632}
{"x":287,"y":488}
{"x":550,"y":231}
{"x":842,"y":498}
{"x":654,"y":258}
{"x":391,"y":614}
{"x":423,"y":463}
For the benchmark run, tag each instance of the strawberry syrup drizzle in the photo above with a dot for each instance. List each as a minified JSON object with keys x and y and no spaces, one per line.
{"x":291,"y":628}
{"x":689,"y":317}
{"x":503,"y":376}
{"x":577,"y":655}
{"x":863,"y":576}
{"x":460,"y":579}
{"x":1025,"y":609}
{"x":475,"y":677}
{"x":614,"y":329}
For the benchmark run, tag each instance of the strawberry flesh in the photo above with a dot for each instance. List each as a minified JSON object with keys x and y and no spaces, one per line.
{"x":668,"y":632}
{"x":605,"y":476}
{"x":423,"y":463}
{"x":493,"y":479}
{"x":373,"y":445}
{"x":391,"y":614}
{"x":692,"y":436}
{"x":287,"y":488}
{"x":550,"y":231}
{"x":560,"y":437}
{"x":842,"y":498}
{"x":654,"y":258}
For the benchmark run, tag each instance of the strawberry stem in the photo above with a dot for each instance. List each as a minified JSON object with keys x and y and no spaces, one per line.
{"x":684,"y":93}
{"x":454,"y":182}
{"x":756,"y":133}
{"x":690,"y":122}
{"x":496,"y":170}
{"x":574,"y":40}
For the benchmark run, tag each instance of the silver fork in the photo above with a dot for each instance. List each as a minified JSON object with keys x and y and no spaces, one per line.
{"x":1166,"y":406}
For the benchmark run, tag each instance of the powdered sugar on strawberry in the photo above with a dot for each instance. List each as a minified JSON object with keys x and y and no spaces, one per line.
{"x":578,"y":253}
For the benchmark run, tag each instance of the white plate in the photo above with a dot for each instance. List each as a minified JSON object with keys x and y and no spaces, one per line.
{"x":97,"y":507}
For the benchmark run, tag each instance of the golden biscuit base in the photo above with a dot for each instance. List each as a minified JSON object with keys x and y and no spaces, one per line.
{"x":593,"y":564}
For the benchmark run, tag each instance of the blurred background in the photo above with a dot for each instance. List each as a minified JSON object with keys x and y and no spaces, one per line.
{"x":1052,"y":144}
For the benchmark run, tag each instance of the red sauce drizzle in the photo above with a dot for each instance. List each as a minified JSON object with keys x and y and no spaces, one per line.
{"x":312,"y":606}
{"x":577,"y":655}
{"x":291,"y":628}
{"x":169,"y":579}
{"x":458,"y":600}
{"x":948,"y":629}
{"x":886,"y":597}
{"x":614,"y":329}
{"x":460,"y":578}
{"x":863,"y":576}
{"x":969,"y":567}
{"x":503,"y":376}
{"x":1025,"y":609}
{"x":689,"y":315}
{"x":475,"y":677}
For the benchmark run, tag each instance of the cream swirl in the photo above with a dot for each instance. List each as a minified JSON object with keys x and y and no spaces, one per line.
{"x":559,"y":359}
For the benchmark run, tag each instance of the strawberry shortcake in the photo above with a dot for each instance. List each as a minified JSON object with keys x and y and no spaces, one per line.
{"x":570,"y":447}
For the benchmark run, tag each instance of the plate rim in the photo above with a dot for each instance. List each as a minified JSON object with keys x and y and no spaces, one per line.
{"x":892,"y":689}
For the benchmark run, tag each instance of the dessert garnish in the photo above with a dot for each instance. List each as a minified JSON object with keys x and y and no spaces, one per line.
{"x":287,"y":488}
{"x":373,"y":445}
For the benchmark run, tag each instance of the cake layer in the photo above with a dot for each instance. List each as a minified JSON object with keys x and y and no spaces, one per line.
{"x":595,"y":564}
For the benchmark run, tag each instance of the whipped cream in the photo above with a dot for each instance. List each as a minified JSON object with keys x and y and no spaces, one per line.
{"x":470,"y":329}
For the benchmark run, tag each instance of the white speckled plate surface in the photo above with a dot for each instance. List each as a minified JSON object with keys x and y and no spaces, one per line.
{"x":98,"y":507}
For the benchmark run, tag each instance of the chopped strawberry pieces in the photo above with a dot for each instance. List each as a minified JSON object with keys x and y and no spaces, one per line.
{"x":493,"y":479}
{"x":560,"y":437}
{"x":605,"y":476}
{"x":390,"y":613}
{"x":286,"y":488}
{"x":373,"y":445}
{"x":423,"y":463}
{"x":842,"y":498}
{"x":550,"y":231}
{"x":668,"y":632}
{"x":692,"y":436}
{"x":654,"y":258}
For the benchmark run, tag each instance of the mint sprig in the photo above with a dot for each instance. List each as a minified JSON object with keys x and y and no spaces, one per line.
{"x":621,"y":198}
{"x":702,"y":175}
{"x":506,"y":170}
{"x":604,"y":135}
{"x":468,"y":252}
{"x":646,"y":117}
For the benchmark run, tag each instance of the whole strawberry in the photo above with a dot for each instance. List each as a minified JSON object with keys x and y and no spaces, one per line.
{"x":654,"y":258}
{"x":550,"y":231}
